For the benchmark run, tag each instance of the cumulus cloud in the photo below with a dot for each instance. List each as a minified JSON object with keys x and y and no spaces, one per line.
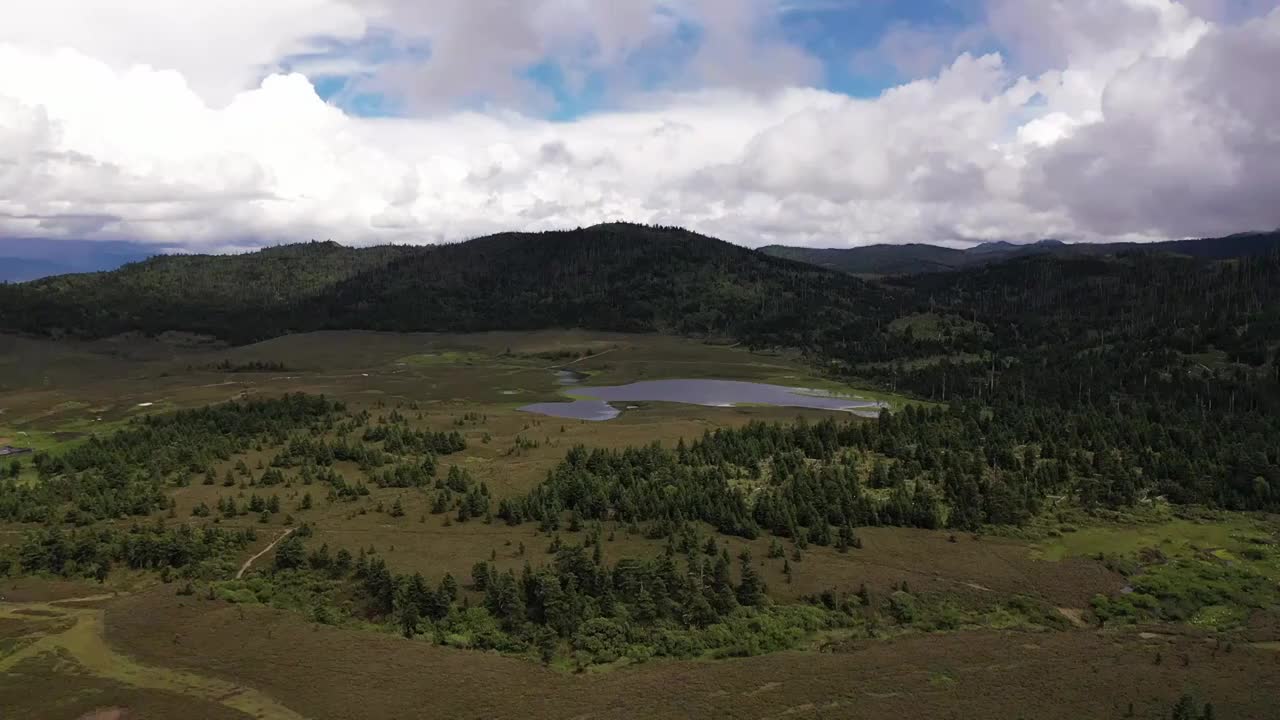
{"x":912,"y":51}
{"x":1184,"y":145}
{"x":1149,"y":122}
{"x":219,"y":48}
{"x":478,"y":51}
{"x":481,"y":51}
{"x":742,"y":47}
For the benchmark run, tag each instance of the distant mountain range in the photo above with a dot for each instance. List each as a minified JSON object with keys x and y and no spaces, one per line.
{"x":23,"y":259}
{"x":632,"y":278}
{"x":917,"y":258}
{"x":26,"y":259}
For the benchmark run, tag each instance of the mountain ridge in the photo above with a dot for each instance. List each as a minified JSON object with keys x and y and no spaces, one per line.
{"x":614,"y":277}
{"x":26,"y":259}
{"x":915,"y":258}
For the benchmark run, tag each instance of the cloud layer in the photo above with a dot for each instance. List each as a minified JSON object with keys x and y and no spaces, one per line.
{"x":1100,"y":119}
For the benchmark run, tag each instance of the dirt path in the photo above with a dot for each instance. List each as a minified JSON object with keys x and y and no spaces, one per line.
{"x":1075,"y":615}
{"x":240,"y":573}
{"x":78,"y":633}
{"x":585,"y":357}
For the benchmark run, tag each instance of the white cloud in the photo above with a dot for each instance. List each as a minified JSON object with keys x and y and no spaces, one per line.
{"x":1183,"y":145}
{"x":913,"y":51}
{"x":742,"y":49}
{"x":478,"y":51}
{"x":1145,"y":123}
{"x":220,"y":48}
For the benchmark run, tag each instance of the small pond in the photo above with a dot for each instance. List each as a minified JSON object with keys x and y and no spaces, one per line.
{"x":593,"y":403}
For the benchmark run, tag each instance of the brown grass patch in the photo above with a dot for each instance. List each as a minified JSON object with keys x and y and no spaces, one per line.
{"x":51,"y":687}
{"x":325,"y":672}
{"x":35,"y":589}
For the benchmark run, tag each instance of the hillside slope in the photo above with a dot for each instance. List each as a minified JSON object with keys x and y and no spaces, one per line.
{"x":876,"y":259}
{"x":1101,"y":314}
{"x":228,"y":296}
{"x":609,"y":277}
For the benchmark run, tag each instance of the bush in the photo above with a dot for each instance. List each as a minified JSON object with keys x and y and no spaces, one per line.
{"x":475,"y":628}
{"x":638,"y":653}
{"x":1186,"y":590}
{"x":750,"y":631}
{"x":903,"y":607}
{"x":604,"y":640}
{"x":234,"y":593}
{"x":677,"y":644}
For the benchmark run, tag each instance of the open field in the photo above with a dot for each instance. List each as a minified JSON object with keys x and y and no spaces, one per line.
{"x":326,"y":672}
{"x":64,"y":638}
{"x":203,"y":658}
{"x":76,"y":695}
{"x":96,"y":387}
{"x":155,"y":653}
{"x":1230,"y":538}
{"x":78,"y":387}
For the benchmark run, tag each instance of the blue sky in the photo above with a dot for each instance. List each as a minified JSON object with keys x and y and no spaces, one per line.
{"x":836,"y":32}
{"x":833,"y":33}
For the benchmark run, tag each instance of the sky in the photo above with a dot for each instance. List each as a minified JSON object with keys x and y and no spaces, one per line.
{"x":216,"y":125}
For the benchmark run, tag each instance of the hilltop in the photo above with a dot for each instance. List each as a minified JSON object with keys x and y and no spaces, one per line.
{"x":609,"y":277}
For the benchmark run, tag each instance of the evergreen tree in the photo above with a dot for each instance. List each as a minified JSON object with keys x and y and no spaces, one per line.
{"x":290,"y":554}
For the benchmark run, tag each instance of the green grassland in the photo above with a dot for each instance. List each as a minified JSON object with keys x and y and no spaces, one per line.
{"x":1205,"y":570}
{"x":955,"y":620}
{"x":933,"y":325}
{"x":1227,"y":537}
{"x":500,"y":370}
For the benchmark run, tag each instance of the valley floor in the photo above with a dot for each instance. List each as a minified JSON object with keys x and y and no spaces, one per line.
{"x":162,"y":655}
{"x":141,"y":648}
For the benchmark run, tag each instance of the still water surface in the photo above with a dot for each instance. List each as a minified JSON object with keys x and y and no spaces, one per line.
{"x":711,"y":393}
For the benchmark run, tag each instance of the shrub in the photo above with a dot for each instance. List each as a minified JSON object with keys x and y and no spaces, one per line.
{"x":601,"y":638}
{"x":903,"y":607}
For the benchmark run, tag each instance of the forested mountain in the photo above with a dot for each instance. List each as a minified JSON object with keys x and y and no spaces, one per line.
{"x":23,"y":259}
{"x":1103,"y":320}
{"x":877,"y":259}
{"x":214,"y":294}
{"x":609,"y":277}
{"x":1046,"y":309}
{"x":920,"y":258}
{"x":1109,"y":318}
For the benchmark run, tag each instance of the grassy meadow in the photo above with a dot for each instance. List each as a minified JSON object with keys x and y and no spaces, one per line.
{"x":1002,"y":623}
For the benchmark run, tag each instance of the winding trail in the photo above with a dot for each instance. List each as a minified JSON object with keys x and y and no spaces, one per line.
{"x":584,"y":357}
{"x":66,"y":630}
{"x":240,"y":573}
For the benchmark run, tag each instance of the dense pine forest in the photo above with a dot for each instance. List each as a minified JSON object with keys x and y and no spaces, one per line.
{"x":1108,"y":376}
{"x":610,"y":277}
{"x":1159,"y":371}
{"x":1101,"y":382}
{"x":806,"y":484}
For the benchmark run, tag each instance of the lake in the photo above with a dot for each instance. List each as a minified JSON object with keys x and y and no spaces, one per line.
{"x":594,"y":403}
